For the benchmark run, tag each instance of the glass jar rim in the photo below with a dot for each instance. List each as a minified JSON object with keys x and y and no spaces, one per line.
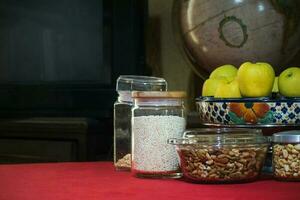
{"x":221,"y":136}
{"x":209,"y":131}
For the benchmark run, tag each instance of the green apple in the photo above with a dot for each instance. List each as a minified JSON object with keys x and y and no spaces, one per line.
{"x":228,"y":90}
{"x":255,"y":79}
{"x":225,"y":71}
{"x":210,"y":86}
{"x":289,"y":82}
{"x":275,"y":85}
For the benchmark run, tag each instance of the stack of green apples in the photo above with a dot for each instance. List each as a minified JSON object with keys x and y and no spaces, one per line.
{"x":251,"y":80}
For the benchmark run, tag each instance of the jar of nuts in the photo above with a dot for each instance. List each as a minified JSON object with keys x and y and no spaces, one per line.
{"x":221,"y":155}
{"x":286,"y":155}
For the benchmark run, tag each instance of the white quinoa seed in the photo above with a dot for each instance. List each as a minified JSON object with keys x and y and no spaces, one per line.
{"x":151,"y":152}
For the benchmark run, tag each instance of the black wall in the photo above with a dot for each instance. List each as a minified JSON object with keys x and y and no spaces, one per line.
{"x":61,"y":58}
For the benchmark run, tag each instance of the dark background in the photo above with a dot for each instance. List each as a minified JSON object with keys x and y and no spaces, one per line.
{"x":59,"y":61}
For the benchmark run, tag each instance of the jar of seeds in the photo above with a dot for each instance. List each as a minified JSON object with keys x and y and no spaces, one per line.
{"x":156,"y":116}
{"x":286,"y":155}
{"x":122,"y":114}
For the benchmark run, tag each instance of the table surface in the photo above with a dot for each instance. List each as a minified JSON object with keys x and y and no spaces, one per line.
{"x":99,"y":180}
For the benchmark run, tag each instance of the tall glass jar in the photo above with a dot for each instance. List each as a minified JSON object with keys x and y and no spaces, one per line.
{"x":122,"y":114}
{"x":286,"y":155}
{"x":156,"y":116}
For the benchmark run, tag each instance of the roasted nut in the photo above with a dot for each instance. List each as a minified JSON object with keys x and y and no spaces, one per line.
{"x":124,"y":163}
{"x":286,"y":161}
{"x":285,"y":153}
{"x":297,"y":147}
{"x":222,"y":164}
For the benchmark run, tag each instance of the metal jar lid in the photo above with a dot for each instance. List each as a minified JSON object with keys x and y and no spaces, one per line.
{"x":292,"y":136}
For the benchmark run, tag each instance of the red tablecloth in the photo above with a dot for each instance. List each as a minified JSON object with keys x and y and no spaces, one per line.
{"x":98,"y":180}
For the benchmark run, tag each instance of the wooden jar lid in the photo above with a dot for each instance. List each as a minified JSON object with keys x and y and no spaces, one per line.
{"x":159,"y":94}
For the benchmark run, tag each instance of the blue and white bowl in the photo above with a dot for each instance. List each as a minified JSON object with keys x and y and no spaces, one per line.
{"x":249,"y":111}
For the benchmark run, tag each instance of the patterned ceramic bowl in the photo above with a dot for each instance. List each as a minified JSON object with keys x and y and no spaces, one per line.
{"x":249,"y":111}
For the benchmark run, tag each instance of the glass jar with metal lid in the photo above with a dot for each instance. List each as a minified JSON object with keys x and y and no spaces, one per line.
{"x":286,"y":155}
{"x":122,"y":114}
{"x":221,"y":155}
{"x":156,"y":116}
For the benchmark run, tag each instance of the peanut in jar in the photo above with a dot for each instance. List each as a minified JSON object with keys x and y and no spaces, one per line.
{"x":286,"y":156}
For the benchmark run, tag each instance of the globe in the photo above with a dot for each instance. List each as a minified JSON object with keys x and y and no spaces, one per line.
{"x":218,"y":32}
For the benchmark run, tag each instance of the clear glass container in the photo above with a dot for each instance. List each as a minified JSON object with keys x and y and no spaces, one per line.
{"x":221,"y":155}
{"x":286,"y":155}
{"x":122,"y":114}
{"x":156,"y":116}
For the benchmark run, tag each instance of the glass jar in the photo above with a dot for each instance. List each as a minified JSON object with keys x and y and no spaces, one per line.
{"x":286,"y":155}
{"x":122,"y":114}
{"x":156,"y":116}
{"x":221,"y":155}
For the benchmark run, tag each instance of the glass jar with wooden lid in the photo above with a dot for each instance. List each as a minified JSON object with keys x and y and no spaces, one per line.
{"x":156,"y":116}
